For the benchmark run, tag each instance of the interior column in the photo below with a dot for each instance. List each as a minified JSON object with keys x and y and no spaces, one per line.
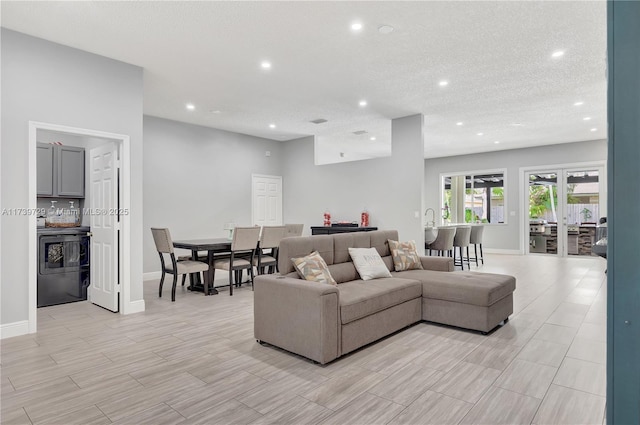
{"x":407,"y":177}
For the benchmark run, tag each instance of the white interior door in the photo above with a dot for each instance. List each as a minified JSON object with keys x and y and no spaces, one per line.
{"x":103,"y":166}
{"x":267,"y":200}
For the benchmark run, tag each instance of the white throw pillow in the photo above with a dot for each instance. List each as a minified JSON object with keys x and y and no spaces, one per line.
{"x":368,"y":263}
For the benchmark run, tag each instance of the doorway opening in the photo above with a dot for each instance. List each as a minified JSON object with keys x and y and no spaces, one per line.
{"x":563,"y":207}
{"x":107,"y":182}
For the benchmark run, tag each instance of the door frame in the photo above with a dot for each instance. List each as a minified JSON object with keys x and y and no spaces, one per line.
{"x":561,"y":169}
{"x":253,"y":221}
{"x":123,"y":144}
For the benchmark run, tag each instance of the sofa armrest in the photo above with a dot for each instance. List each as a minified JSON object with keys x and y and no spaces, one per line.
{"x":440,"y":264}
{"x":299,"y":316}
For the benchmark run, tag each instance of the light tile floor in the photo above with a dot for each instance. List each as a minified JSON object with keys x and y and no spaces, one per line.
{"x":196,"y":361}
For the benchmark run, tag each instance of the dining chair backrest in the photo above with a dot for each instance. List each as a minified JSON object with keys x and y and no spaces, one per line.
{"x":293,"y":230}
{"x":444,"y":240}
{"x":476,"y":234}
{"x":245,"y":238}
{"x":462,"y":237}
{"x":162,"y":238}
{"x":271,"y":236}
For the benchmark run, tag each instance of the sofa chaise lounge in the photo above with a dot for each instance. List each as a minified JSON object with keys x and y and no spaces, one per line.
{"x":323,"y":322}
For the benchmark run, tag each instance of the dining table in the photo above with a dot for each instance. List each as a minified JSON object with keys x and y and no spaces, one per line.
{"x":213,"y":246}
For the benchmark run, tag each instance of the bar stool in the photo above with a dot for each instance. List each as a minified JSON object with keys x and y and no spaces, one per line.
{"x":443,"y":242}
{"x":460,"y":241}
{"x":476,"y":239}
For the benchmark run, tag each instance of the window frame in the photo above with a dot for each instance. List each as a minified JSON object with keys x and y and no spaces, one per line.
{"x":473,"y":173}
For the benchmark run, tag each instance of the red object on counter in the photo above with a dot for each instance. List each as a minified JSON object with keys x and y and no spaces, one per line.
{"x":327,"y":218}
{"x":364,"y":219}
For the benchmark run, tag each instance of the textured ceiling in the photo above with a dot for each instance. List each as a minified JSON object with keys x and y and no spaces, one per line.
{"x":496,"y":57}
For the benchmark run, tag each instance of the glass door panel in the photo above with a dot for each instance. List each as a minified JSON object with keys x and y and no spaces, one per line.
{"x":582,"y":209}
{"x":543,"y":212}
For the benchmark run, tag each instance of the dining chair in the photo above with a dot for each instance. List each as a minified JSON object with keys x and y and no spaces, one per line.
{"x":475,"y":240}
{"x":269,"y":241}
{"x":243,"y":247}
{"x":164,"y":245}
{"x":293,"y":230}
{"x":461,"y":241}
{"x":444,"y":241}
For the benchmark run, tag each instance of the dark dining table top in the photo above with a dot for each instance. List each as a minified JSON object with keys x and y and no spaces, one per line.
{"x":210,"y":244}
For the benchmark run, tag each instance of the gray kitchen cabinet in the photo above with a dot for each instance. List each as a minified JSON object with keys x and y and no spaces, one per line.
{"x":60,"y":171}
{"x":70,"y":171}
{"x":44,"y":158}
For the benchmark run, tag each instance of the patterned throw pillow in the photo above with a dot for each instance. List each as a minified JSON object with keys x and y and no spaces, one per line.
{"x":405,"y":256}
{"x":368,"y":263}
{"x":313,"y":268}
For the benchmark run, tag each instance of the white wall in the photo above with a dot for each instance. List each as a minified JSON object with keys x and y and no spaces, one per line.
{"x":48,"y":82}
{"x":507,"y":236}
{"x":198,"y":178}
{"x":390,"y":188}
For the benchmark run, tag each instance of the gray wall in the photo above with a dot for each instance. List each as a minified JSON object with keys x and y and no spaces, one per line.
{"x":198,"y":178}
{"x":390,"y":188}
{"x":507,"y":236}
{"x":48,"y":82}
{"x":623,"y":277}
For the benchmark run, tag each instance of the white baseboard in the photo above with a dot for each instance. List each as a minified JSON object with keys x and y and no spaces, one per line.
{"x":152,"y":275}
{"x":9,"y":330}
{"x":134,"y":307}
{"x":502,"y":251}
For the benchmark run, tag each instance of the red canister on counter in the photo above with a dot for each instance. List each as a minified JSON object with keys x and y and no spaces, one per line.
{"x":364,"y":219}
{"x":327,"y":218}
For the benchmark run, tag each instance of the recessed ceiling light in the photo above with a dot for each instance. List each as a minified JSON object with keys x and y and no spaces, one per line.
{"x":362,"y":103}
{"x":272,"y":126}
{"x":587,"y":118}
{"x":594,"y":129}
{"x":265,"y":65}
{"x":578,"y":104}
{"x":517,"y":124}
{"x":372,"y":138}
{"x":459,"y":123}
{"x":356,"y":26}
{"x":216,"y":111}
{"x":497,"y":142}
{"x":385,"y":29}
{"x":557,"y":54}
{"x":443,"y":83}
{"x":480,"y":134}
{"x":190,"y":106}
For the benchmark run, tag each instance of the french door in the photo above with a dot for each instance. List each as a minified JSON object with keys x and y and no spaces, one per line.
{"x":564,"y":206}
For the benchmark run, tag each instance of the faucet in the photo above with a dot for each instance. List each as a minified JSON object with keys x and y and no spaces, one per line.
{"x":433,"y":216}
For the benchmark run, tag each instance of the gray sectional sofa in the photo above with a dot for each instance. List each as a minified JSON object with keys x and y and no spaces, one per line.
{"x":323,"y":322}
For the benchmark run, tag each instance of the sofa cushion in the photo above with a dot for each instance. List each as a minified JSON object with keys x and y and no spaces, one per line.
{"x":368,"y":263}
{"x":359,"y":299}
{"x":388,"y":261}
{"x":343,"y":272}
{"x":380,"y":241}
{"x":405,"y":255}
{"x":313,"y":268}
{"x":343,"y":241}
{"x":481,"y":289}
{"x":301,"y":246}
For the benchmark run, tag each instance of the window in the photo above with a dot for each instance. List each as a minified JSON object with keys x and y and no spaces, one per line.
{"x":473,"y":198}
